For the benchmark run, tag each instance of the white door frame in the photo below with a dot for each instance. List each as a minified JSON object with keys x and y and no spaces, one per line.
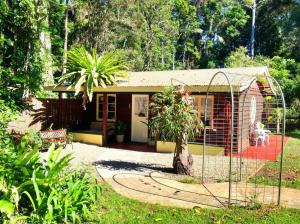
{"x":140,"y":125}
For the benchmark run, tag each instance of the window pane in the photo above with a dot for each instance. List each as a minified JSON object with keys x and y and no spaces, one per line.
{"x":111,"y":107}
{"x":209,"y":109}
{"x":100,"y":114}
{"x":140,"y":106}
{"x":194,"y":100}
{"x":111,"y":99}
{"x":196,"y":103}
{"x":203,"y":102}
{"x":111,"y":115}
{"x":100,"y":107}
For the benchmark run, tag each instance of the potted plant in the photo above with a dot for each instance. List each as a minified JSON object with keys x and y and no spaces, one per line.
{"x":120,"y":131}
{"x":151,"y":139}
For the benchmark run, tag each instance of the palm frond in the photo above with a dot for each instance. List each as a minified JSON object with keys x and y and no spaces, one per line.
{"x":90,"y":83}
{"x":80,"y":82}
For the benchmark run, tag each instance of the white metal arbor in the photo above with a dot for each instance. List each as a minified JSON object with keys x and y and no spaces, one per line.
{"x":252,"y":133}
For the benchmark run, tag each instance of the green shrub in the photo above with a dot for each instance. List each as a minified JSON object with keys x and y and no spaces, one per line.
{"x":40,"y":191}
{"x":293,"y":115}
{"x":72,"y":199}
{"x":43,"y":191}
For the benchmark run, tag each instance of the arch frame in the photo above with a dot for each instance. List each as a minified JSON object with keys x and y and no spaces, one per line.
{"x":231,"y":130}
{"x":283,"y":123}
{"x":274,"y":84}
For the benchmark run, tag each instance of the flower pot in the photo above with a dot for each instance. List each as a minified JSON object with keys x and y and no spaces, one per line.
{"x":120,"y":138}
{"x":151,"y":142}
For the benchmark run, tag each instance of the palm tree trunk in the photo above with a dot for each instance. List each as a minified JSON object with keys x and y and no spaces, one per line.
{"x":183,"y":160}
{"x":45,"y":40}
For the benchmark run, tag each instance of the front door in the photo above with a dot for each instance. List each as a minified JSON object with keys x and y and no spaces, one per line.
{"x":139,"y":128}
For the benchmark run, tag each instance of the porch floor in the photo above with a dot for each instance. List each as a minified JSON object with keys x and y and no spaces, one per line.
{"x":133,"y":146}
{"x":268,"y":152}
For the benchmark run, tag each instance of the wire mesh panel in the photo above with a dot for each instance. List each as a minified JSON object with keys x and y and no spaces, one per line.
{"x":248,"y":124}
{"x":219,"y":132}
{"x":261,"y":142}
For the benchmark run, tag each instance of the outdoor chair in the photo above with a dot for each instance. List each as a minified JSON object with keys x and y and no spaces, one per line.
{"x":260,"y":134}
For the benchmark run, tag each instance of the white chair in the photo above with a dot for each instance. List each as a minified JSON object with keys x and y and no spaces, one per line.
{"x":262,"y":136}
{"x":258,"y":135}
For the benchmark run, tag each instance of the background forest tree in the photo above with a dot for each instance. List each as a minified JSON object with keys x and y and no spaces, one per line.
{"x":154,"y":34}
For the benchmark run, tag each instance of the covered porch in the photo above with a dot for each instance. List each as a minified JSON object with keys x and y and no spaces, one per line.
{"x":97,"y":124}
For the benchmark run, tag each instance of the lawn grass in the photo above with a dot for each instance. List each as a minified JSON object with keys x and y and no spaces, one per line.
{"x":114,"y":208}
{"x":190,"y":180}
{"x":291,"y":165}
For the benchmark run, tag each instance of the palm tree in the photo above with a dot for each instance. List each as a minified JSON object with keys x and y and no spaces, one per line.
{"x":85,"y":71}
{"x":174,"y":119}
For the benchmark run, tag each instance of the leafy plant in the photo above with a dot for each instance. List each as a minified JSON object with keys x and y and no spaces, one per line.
{"x":120,"y":128}
{"x":69,"y":200}
{"x":174,"y":119}
{"x":86,"y":71}
{"x":43,"y":191}
{"x":70,"y":137}
{"x":17,"y":163}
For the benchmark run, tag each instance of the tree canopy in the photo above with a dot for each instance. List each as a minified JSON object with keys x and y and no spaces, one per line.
{"x":153,"y":34}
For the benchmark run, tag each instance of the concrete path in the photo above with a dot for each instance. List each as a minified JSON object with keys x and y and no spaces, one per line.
{"x":156,"y":188}
{"x":146,"y":177}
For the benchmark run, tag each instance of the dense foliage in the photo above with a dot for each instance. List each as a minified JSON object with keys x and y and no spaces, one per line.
{"x":153,"y":34}
{"x":21,"y":63}
{"x":285,"y":71}
{"x":37,"y":190}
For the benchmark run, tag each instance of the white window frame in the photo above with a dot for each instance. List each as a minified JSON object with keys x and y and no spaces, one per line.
{"x":97,"y":107}
{"x":199,"y":108}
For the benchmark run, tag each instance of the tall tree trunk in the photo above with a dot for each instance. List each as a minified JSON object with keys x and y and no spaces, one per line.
{"x":66,"y":37}
{"x":162,"y":54}
{"x":44,"y":36}
{"x":183,"y":160}
{"x":26,"y":91}
{"x":173,"y":60}
{"x":183,"y":56}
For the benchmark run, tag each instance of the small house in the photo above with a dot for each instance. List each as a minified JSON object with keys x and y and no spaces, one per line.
{"x":128,"y":101}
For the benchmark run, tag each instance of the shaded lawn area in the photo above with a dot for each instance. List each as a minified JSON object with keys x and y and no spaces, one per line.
{"x":291,"y":165}
{"x":114,"y":208}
